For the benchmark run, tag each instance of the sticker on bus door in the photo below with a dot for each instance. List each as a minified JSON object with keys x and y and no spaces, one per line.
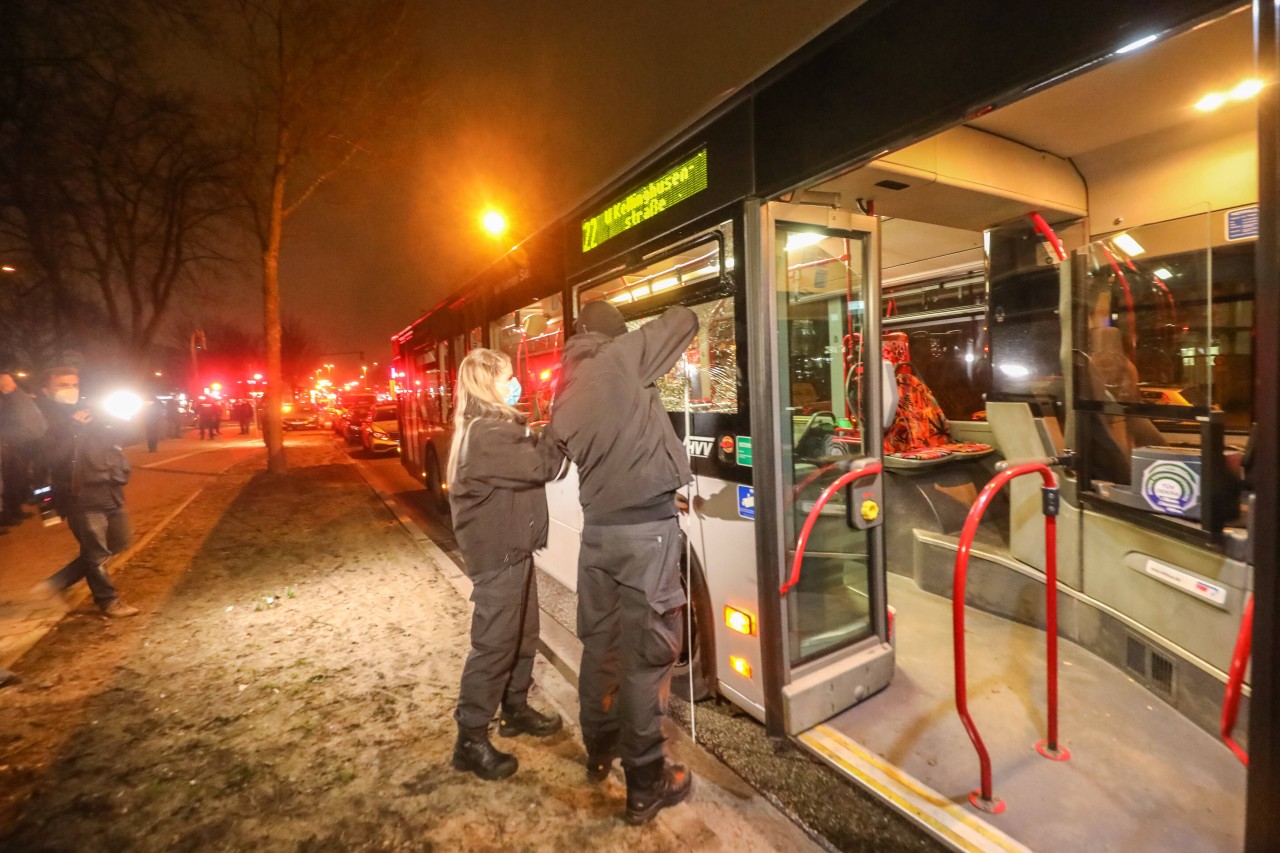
{"x":699,"y":446}
{"x":747,"y":502}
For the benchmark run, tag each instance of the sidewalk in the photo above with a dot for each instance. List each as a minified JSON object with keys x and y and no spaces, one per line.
{"x":289,"y":686}
{"x":161,"y":485}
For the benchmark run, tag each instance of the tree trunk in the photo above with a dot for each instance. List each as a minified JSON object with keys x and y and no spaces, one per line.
{"x":273,"y":432}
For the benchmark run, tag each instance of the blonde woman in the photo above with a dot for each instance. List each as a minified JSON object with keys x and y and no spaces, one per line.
{"x":496,"y":472}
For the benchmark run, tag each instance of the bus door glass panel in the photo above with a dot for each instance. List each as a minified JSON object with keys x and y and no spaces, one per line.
{"x":532,"y":338}
{"x":445,"y":383}
{"x":820,"y":279}
{"x":1163,"y":336}
{"x":694,"y":276}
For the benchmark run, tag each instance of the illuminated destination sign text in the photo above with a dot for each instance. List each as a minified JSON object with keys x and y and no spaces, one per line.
{"x":646,"y":202}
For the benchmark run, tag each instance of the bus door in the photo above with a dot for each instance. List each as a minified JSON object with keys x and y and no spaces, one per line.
{"x":821,"y":280}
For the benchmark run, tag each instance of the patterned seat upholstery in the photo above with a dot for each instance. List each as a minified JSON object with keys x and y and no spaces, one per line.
{"x":919,"y":432}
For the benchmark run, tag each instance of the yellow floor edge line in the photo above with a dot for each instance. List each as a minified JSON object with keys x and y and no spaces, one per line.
{"x":957,"y":810}
{"x":949,"y":822}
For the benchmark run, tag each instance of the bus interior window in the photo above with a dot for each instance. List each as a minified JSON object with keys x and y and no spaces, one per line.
{"x":532,"y":338}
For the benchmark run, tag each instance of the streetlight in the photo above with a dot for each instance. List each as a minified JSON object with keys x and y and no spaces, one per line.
{"x":493,"y":222}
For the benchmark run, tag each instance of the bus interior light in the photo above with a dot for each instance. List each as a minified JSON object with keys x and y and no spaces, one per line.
{"x":664,"y":283}
{"x":803,"y":239}
{"x":740,"y":666}
{"x":1128,"y":245}
{"x":1163,"y":274}
{"x":1246,"y":89}
{"x":739,"y":621}
{"x":1134,"y":45}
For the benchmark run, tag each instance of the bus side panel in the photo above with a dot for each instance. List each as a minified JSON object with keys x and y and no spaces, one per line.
{"x":724,"y":544}
{"x":560,"y":558}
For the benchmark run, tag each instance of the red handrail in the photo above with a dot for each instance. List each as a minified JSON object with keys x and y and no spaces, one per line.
{"x":1049,"y":234}
{"x":869,"y":468}
{"x":983,"y":798}
{"x":1235,"y":680}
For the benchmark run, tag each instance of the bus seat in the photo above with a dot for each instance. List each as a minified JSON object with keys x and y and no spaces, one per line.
{"x":919,"y":434}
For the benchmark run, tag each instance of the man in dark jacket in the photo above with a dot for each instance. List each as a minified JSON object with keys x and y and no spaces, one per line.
{"x":630,"y":462}
{"x":20,"y":424}
{"x":88,"y":471}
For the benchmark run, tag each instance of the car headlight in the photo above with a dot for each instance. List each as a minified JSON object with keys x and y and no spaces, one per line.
{"x":377,"y":433}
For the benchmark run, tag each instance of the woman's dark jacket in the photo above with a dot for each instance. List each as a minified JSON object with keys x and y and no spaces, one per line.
{"x":499,"y":503}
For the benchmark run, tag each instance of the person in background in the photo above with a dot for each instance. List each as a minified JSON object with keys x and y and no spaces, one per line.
{"x":20,"y":425}
{"x":609,"y":415}
{"x":154,"y":418}
{"x":208,"y":415}
{"x":87,"y":471}
{"x":243,"y":413}
{"x":496,"y":472}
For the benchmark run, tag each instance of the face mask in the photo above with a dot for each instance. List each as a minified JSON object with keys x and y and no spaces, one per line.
{"x":513,"y":392}
{"x":67,"y":396}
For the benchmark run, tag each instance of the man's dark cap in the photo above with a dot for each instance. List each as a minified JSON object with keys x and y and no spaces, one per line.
{"x":601,"y":317}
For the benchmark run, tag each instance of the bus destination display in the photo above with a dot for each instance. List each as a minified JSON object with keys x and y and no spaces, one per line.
{"x":646,"y":202}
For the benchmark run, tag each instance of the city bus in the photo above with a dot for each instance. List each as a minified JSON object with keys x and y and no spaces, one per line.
{"x":938,"y":241}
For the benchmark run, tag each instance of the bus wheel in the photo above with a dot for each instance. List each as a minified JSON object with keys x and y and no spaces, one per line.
{"x":435,"y":483}
{"x":699,"y":651}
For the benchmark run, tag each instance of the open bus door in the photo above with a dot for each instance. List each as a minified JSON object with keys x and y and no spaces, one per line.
{"x":818,"y":299}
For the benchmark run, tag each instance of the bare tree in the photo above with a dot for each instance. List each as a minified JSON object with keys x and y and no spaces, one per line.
{"x":110,"y":192}
{"x":147,"y":197}
{"x":320,"y":83}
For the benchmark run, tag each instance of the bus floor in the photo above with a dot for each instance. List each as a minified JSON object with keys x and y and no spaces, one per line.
{"x":1140,"y":776}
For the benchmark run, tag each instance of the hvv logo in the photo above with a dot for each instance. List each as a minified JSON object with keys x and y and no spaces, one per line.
{"x":699,"y":446}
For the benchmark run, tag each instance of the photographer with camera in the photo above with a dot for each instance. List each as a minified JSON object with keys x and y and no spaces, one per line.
{"x":87,"y":472}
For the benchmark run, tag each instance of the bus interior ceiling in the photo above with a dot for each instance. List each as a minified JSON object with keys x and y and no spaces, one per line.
{"x":1118,"y":149}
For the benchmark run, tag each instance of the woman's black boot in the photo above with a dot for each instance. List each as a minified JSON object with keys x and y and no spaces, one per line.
{"x":526,"y":721}
{"x":473,"y":753}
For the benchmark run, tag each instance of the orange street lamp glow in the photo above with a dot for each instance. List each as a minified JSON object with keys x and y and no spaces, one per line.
{"x":494,"y":223}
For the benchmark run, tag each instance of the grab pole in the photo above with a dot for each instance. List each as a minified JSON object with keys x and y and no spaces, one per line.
{"x":858,"y":469}
{"x":1235,"y":681}
{"x":688,"y":550}
{"x":983,"y":798}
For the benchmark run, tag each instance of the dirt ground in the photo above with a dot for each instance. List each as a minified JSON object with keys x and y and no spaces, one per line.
{"x":288,"y":686}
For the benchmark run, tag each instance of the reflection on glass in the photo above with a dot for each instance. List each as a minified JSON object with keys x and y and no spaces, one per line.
{"x":1168,"y":319}
{"x":820,"y":319}
{"x":532,"y":338}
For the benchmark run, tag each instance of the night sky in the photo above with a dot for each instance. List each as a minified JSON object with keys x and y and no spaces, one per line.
{"x":534,"y":106}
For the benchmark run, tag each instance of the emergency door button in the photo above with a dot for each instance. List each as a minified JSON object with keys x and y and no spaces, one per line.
{"x":870,"y":510}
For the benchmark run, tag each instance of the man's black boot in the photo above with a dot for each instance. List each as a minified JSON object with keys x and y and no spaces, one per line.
{"x":653,"y":787}
{"x":601,"y":750}
{"x":526,"y":721}
{"x":473,"y":753}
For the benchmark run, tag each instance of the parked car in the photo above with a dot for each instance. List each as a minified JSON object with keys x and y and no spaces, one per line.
{"x":300,"y":416}
{"x":380,"y":433}
{"x":351,"y":411}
